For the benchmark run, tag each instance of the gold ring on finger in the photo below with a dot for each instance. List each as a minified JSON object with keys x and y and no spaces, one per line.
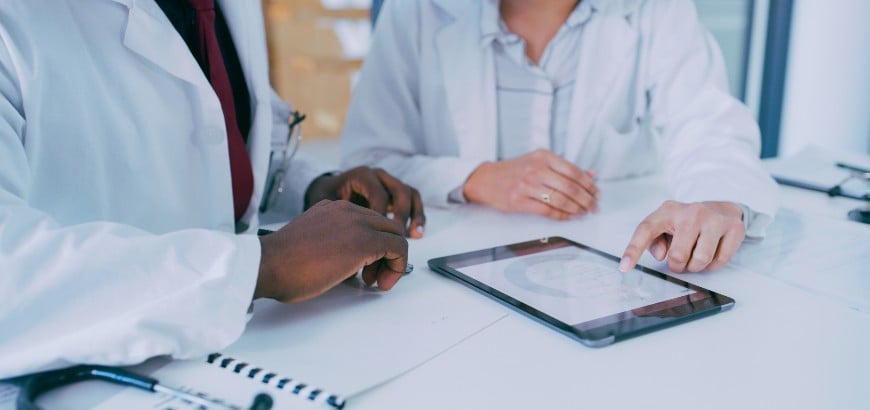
{"x":546,"y":197}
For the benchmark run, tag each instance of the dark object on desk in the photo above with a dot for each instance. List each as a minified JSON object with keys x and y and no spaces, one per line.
{"x":860,"y":215}
{"x":853,"y":168}
{"x":263,"y":401}
{"x":41,"y":383}
{"x":579,"y":291}
{"x":833,"y":191}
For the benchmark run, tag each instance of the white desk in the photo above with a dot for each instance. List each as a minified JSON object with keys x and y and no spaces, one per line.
{"x":784,"y":345}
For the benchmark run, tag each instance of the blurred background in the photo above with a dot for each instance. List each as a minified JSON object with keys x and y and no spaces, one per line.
{"x":802,"y":66}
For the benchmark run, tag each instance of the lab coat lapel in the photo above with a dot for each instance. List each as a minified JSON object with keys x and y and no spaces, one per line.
{"x":241,"y":17}
{"x":606,"y":46}
{"x":150,"y":34}
{"x":469,"y":80}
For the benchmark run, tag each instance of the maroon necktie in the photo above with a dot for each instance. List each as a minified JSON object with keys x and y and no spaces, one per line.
{"x":210,"y":57}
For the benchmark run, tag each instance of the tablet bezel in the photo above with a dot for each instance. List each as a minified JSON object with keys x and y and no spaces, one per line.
{"x":597,"y":332}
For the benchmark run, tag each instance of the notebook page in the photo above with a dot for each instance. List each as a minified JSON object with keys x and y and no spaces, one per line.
{"x":346,"y":341}
{"x":354,"y":338}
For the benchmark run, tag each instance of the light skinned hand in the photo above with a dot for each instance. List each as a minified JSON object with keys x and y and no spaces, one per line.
{"x":520,"y":184}
{"x":693,"y":236}
{"x":376,"y":189}
{"x":327,"y":244}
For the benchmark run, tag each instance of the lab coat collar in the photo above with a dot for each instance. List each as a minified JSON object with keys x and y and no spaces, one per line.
{"x":240,"y":16}
{"x":150,"y":34}
{"x":490,"y":22}
{"x":599,"y":66}
{"x":469,"y":75}
{"x":469,"y":80}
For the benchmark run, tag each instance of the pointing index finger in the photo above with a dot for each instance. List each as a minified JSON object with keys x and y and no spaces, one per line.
{"x":643,"y":236}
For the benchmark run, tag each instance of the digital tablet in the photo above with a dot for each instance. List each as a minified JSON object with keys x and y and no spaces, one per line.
{"x":579,"y":290}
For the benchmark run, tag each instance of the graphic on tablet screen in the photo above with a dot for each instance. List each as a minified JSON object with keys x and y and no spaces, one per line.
{"x":572,"y":285}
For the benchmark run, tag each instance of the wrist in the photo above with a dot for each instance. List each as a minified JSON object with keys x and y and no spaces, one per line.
{"x":318,"y":189}
{"x":264,"y":277}
{"x":727,"y":208}
{"x":472,"y":188}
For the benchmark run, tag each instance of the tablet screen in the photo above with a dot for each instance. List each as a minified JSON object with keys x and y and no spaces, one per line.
{"x":579,"y":290}
{"x":574,"y":285}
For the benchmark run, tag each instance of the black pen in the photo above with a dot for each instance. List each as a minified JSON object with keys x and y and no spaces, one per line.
{"x":853,"y":168}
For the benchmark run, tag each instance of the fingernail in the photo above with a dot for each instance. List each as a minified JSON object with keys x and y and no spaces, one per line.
{"x":420,"y":229}
{"x":654,"y":249}
{"x":624,"y":264}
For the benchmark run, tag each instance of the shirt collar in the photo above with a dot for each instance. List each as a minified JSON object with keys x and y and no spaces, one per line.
{"x":581,"y":14}
{"x":492,"y":26}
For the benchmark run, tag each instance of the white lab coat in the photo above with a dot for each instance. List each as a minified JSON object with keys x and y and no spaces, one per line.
{"x":650,"y":95}
{"x":117,"y":237}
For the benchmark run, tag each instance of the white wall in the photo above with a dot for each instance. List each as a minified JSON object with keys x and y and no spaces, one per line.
{"x":827,"y":89}
{"x":728,"y":22}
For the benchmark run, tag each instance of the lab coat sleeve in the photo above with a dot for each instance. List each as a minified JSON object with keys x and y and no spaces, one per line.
{"x":301,"y":171}
{"x":103,"y":292}
{"x":384,"y":126}
{"x":710,"y":141}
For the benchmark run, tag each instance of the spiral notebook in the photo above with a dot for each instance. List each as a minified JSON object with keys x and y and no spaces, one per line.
{"x":230,"y":382}
{"x":318,"y":353}
{"x":297,"y":387}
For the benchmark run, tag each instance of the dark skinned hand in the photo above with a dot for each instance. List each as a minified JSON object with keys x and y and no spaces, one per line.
{"x":327,"y":244}
{"x":374,"y":189}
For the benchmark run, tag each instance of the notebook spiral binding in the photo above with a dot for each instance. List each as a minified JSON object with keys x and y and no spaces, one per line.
{"x":295,"y":387}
